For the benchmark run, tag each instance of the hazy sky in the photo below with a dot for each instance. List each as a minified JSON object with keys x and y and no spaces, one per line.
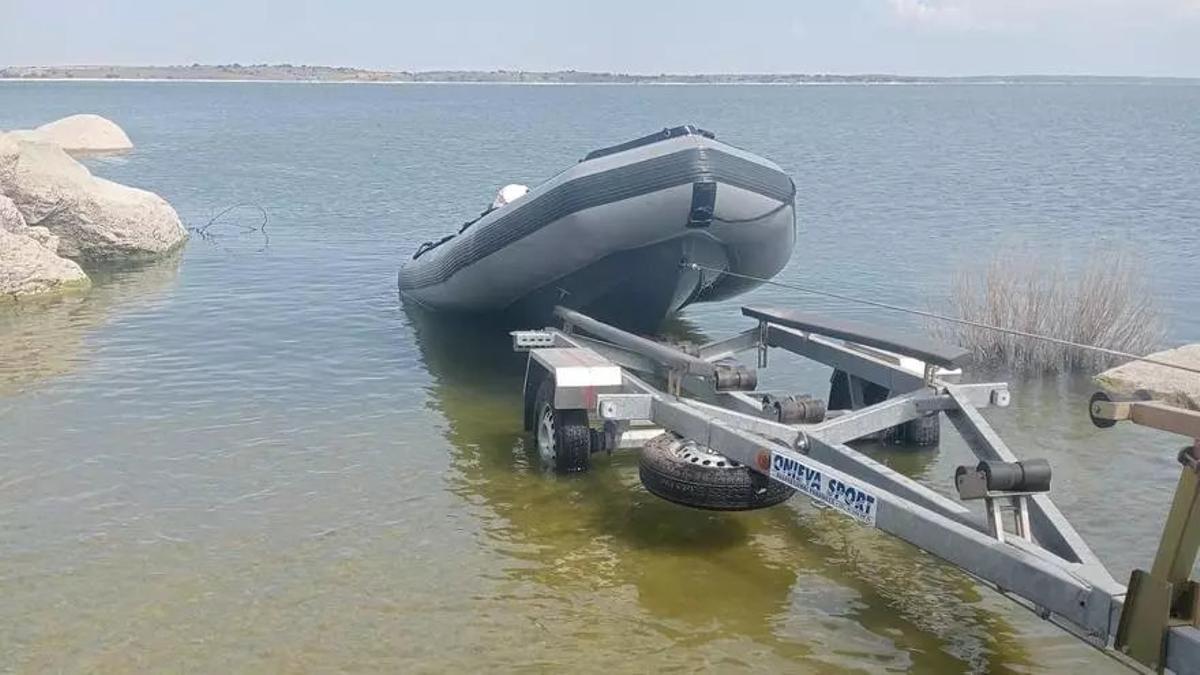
{"x":933,"y":37}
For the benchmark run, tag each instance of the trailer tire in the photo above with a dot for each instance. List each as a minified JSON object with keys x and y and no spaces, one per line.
{"x":924,"y":431}
{"x":684,"y":473}
{"x":891,"y":435}
{"x":563,"y":437}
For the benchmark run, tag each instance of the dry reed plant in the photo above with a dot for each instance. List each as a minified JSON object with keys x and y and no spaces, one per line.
{"x":1106,"y":304}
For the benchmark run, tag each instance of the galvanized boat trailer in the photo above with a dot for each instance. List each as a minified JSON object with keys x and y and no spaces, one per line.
{"x":583,"y":377}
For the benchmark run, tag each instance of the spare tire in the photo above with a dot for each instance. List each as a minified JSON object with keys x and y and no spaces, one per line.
{"x":686,"y":473}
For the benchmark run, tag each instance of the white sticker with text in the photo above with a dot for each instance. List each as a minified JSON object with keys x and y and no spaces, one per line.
{"x":852,"y":499}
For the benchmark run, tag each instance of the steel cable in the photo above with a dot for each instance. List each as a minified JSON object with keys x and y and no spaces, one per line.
{"x":950,"y":319}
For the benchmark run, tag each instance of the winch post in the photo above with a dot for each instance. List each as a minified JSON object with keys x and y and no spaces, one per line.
{"x":1165,"y":596}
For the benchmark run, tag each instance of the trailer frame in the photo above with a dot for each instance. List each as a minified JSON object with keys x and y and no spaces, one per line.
{"x":1043,"y":563}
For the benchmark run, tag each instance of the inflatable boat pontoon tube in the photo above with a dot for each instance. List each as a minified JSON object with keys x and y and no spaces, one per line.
{"x":608,"y":236}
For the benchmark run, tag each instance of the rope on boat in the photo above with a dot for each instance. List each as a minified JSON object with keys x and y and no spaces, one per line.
{"x":943,"y":317}
{"x":738,"y":221}
{"x":791,"y":201}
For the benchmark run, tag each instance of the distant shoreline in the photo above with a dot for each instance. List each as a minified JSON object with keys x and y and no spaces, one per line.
{"x":284,"y":73}
{"x":487,"y":83}
{"x":471,"y":83}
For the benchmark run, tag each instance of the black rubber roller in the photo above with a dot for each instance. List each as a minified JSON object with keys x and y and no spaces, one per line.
{"x":1029,"y":476}
{"x":798,"y":410}
{"x":1101,"y":422}
{"x":736,"y":378}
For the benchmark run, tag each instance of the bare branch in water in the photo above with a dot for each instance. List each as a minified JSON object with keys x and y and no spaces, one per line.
{"x":207,"y":233}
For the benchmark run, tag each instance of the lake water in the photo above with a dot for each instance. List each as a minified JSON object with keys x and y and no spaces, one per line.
{"x":250,"y":458}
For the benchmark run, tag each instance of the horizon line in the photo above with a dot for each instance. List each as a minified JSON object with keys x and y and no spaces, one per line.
{"x":237,"y":66}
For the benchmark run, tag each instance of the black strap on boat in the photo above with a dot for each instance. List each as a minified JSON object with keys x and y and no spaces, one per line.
{"x":704,"y":203}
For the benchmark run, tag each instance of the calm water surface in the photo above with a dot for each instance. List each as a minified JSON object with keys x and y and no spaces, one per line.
{"x":251,"y":458}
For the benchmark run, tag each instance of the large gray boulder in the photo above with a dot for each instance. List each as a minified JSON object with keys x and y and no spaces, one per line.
{"x":81,"y":134}
{"x":11,"y":218}
{"x":29,"y":264}
{"x":1177,"y":387}
{"x":95,"y":219}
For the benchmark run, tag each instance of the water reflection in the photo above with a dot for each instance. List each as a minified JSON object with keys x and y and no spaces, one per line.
{"x":44,"y":338}
{"x":793,"y":583}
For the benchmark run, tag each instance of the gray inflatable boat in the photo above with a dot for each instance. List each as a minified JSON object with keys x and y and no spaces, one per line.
{"x":609,"y":235}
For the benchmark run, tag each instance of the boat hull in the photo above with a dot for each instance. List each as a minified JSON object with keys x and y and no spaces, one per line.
{"x":609,"y":236}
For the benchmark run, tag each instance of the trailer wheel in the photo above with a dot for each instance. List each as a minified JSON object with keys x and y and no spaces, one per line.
{"x":564,"y":439}
{"x":923,"y":431}
{"x":685,"y":473}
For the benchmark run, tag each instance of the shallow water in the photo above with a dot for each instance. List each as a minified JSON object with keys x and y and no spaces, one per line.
{"x":250,"y":457}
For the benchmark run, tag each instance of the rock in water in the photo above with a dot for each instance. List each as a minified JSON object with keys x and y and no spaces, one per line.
{"x":1177,"y":387}
{"x":84,"y":133}
{"x":95,"y":219}
{"x":10,"y":217}
{"x":28,"y":262}
{"x":12,"y":220}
